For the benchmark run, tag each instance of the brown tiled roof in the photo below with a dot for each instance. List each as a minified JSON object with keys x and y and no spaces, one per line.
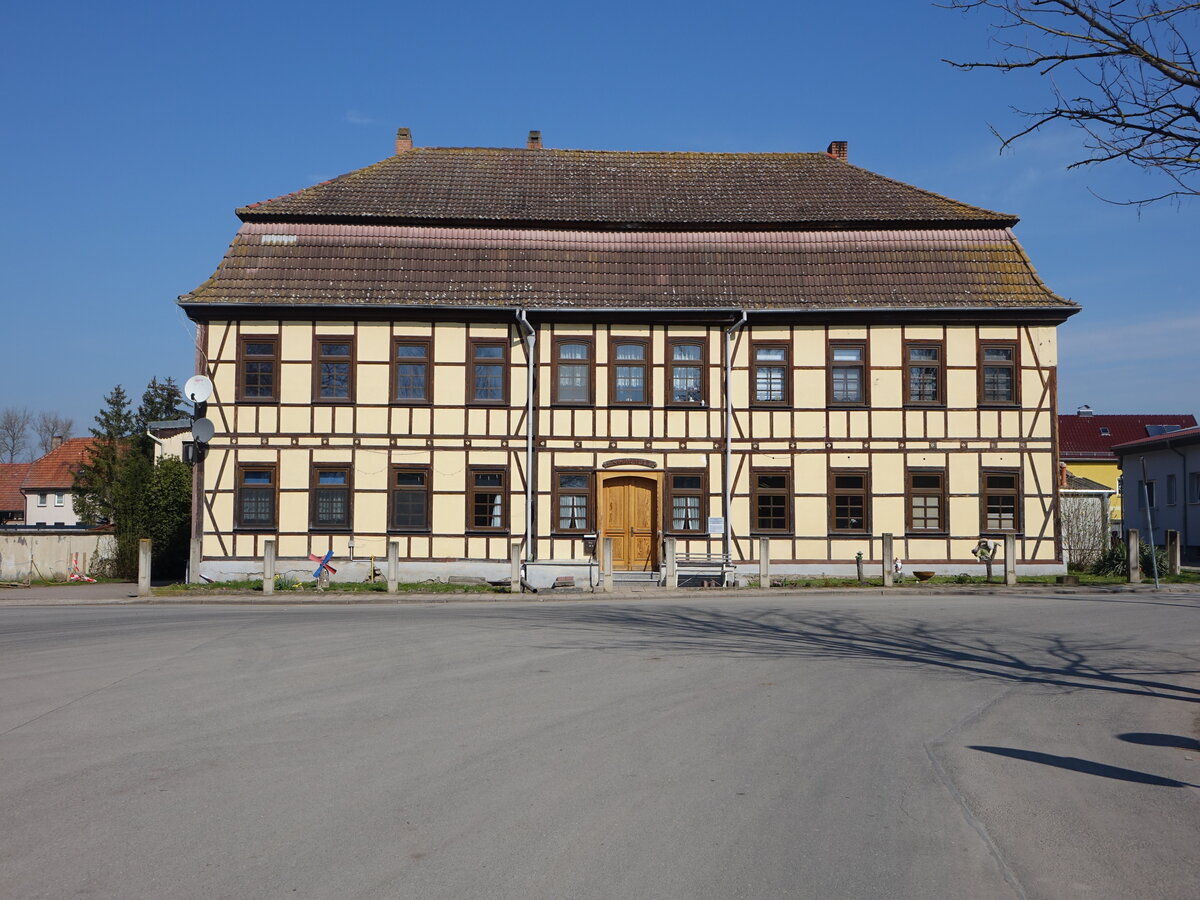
{"x":56,"y":470}
{"x":446,"y":266}
{"x":11,"y":476}
{"x":1094,"y":436}
{"x":595,"y":188}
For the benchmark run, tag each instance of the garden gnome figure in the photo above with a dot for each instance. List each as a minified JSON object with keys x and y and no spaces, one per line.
{"x":898,"y":569}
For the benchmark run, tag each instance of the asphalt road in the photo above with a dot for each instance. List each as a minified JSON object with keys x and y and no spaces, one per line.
{"x":754,"y":747}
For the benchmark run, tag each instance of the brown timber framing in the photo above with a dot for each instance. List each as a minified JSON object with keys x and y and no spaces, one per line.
{"x":589,"y":426}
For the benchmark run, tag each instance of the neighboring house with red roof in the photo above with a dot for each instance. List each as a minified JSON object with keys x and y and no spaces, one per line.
{"x":1086,"y":441}
{"x":12,"y":501}
{"x":462,"y":349}
{"x":47,"y":484}
{"x":1162,"y":472}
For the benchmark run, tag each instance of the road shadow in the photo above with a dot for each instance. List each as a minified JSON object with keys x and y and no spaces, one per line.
{"x":1086,"y":766}
{"x":1152,"y":739}
{"x":978,"y":650}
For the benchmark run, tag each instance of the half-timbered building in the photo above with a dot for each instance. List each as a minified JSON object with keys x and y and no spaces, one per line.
{"x":460,"y":348}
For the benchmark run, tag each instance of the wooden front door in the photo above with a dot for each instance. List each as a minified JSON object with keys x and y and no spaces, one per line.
{"x":629,"y":516}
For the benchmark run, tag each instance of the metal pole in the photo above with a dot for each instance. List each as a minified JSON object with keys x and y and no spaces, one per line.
{"x":1149,"y":522}
{"x":530,"y":387}
{"x":764,"y":562}
{"x":727,"y":459}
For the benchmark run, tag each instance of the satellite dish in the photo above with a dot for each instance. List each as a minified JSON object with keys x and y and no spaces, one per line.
{"x":198,"y":388}
{"x":203,"y":430}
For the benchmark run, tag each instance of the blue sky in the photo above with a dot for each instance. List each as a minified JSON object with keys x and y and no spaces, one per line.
{"x":133,"y":131}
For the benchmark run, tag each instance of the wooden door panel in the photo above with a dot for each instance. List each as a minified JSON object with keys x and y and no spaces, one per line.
{"x":629,"y":514}
{"x":643,"y":553}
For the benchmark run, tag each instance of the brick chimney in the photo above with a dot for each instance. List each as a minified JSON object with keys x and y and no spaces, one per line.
{"x":56,"y":441}
{"x":535,"y":141}
{"x":839,"y":150}
{"x":403,"y":140}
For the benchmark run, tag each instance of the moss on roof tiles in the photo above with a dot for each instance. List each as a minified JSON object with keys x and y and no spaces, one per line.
{"x":617,"y":188}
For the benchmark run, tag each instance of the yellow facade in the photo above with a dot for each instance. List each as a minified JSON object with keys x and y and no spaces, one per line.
{"x":1105,"y":472}
{"x":371,"y":438}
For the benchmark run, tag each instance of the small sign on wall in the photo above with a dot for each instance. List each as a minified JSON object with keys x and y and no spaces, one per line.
{"x":716,"y":524}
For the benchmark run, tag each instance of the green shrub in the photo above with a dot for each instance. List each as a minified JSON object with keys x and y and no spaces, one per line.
{"x":1115,"y":561}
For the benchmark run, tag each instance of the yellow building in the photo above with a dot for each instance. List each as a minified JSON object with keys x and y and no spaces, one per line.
{"x":724,"y":347}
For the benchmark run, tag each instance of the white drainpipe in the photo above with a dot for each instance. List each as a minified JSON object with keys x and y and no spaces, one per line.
{"x":530,"y":336}
{"x":728,"y":473}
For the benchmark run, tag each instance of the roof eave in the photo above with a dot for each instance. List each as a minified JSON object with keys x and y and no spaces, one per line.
{"x":253,"y":214}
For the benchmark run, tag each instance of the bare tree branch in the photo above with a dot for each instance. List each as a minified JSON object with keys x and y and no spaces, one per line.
{"x":1129,"y":78}
{"x":47,"y":427}
{"x":14,"y":428}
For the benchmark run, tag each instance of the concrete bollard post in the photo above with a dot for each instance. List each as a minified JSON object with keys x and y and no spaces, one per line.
{"x":1174,"y":562}
{"x":195,"y":557}
{"x":514,"y":575}
{"x":1135,"y":557}
{"x":764,"y":562}
{"x":393,"y":566}
{"x":268,"y":567}
{"x":670,"y":565}
{"x":144,"y":567}
{"x":888,"y":577}
{"x":1010,"y":559}
{"x":606,"y":565}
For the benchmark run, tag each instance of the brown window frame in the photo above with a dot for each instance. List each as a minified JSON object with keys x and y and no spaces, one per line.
{"x":646,"y":365}
{"x":831,"y":364}
{"x":786,"y":365}
{"x":397,"y":361}
{"x":672,"y":492}
{"x":864,"y":492}
{"x":558,"y":492}
{"x":702,"y":364}
{"x":985,"y":492}
{"x":557,"y":362}
{"x":243,"y":358}
{"x":1014,"y":366}
{"x":757,"y":492}
{"x":472,"y":362}
{"x":909,"y":365}
{"x":314,"y":486}
{"x":240,"y":487}
{"x":473,"y":489}
{"x":941,"y":493}
{"x":394,"y":489}
{"x":319,"y":359}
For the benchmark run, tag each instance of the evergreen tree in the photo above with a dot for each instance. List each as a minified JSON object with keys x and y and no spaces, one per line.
{"x":162,"y":401}
{"x":97,"y":478}
{"x":169,"y":515}
{"x":120,"y":483}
